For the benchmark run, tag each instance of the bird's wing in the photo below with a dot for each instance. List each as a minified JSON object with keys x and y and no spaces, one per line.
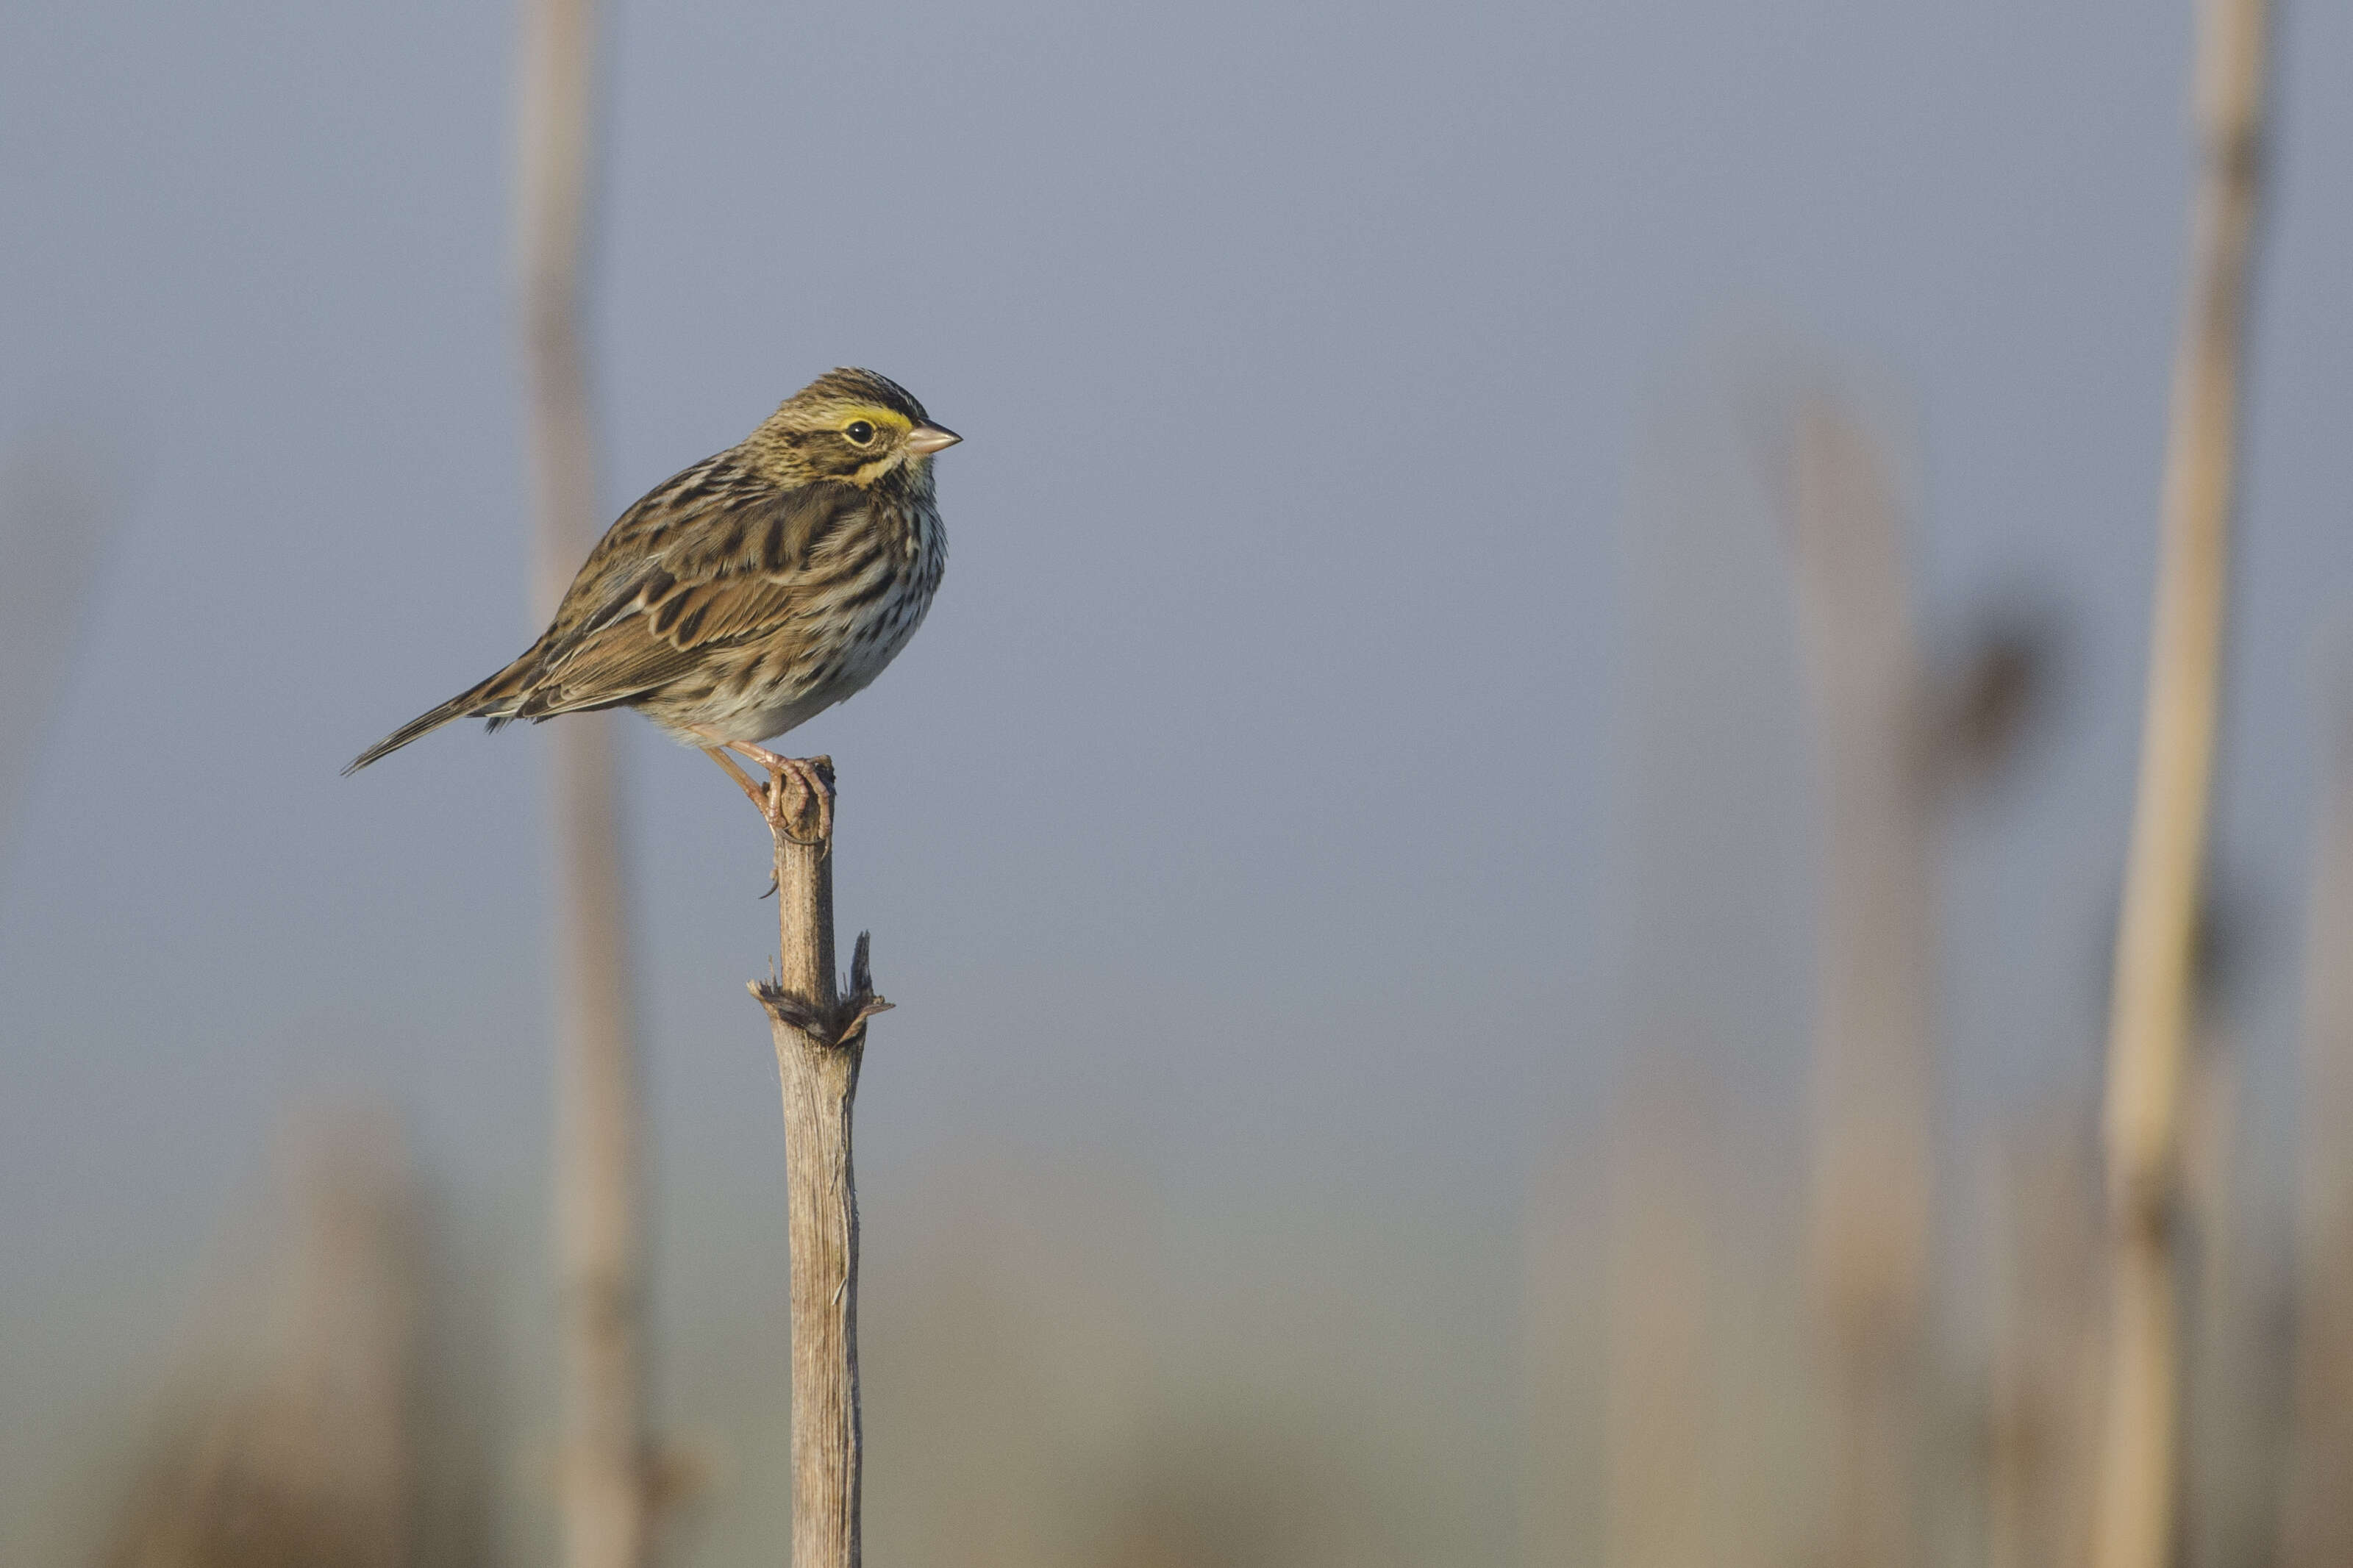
{"x":714,"y":559}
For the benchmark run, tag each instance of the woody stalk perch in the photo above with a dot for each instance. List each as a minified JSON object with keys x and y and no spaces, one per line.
{"x":2148,"y":1018}
{"x":820,"y":1038}
{"x":605,"y":1468}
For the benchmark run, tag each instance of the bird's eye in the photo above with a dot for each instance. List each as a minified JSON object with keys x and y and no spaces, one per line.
{"x":860,"y":431}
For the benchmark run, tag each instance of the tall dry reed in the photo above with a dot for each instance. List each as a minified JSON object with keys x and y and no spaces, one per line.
{"x":606,"y":1471}
{"x":2149,"y":1013}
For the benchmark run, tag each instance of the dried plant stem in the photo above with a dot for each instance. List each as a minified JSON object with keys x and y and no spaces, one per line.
{"x":606,"y":1491}
{"x":1872,"y":1069}
{"x":2317,"y":1529}
{"x":2156,"y":931}
{"x":1666,"y":1481}
{"x":605,"y":1477}
{"x":2045,"y":1399}
{"x":557,"y":132}
{"x":821,"y":1039}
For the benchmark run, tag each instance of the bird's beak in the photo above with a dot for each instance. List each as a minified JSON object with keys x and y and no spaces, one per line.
{"x":925,"y":439}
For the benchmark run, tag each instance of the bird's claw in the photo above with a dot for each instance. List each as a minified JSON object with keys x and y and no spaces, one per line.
{"x":777,"y":799}
{"x":783,"y":809}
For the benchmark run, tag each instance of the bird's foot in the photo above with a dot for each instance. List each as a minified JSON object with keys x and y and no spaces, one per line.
{"x":789,"y":777}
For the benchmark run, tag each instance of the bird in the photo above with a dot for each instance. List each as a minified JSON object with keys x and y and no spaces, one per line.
{"x":746,"y":594}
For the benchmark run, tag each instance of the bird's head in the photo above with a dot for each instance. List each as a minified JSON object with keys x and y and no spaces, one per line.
{"x":850,"y":426}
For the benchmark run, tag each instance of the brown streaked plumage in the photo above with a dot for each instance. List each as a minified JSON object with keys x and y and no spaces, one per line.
{"x":748,"y":593}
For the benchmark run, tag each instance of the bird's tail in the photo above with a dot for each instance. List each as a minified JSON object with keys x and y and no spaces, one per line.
{"x":494,"y":700}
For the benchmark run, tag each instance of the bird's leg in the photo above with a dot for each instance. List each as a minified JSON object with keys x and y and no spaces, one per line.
{"x":752,"y":792}
{"x":772,"y":801}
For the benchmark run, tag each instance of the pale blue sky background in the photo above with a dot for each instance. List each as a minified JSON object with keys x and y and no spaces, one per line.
{"x":1243,"y":807}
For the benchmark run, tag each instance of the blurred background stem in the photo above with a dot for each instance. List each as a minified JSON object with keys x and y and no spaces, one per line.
{"x":598,"y":1132}
{"x":1871,"y":1059}
{"x":2149,"y":1023}
{"x":2317,"y":1529}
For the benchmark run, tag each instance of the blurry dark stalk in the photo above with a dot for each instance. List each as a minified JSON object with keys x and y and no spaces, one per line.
{"x":1665,"y":1464}
{"x":2217,"y":1374}
{"x":1871,"y":1220}
{"x":56,"y":508}
{"x":2317,"y":1531}
{"x":2149,"y":1013}
{"x":314,"y":1460}
{"x":2235,"y":1356}
{"x":1564,"y":1313}
{"x":2044,"y":1401}
{"x":598,"y":1125}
